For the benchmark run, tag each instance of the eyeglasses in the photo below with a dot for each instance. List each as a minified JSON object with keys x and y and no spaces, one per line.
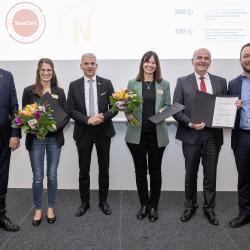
{"x":46,"y":70}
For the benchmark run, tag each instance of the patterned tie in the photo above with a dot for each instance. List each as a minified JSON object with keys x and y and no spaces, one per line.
{"x":91,"y":98}
{"x":202,"y":84}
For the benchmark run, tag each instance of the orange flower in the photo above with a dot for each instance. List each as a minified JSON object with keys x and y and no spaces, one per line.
{"x":31,"y":108}
{"x":26,"y":113}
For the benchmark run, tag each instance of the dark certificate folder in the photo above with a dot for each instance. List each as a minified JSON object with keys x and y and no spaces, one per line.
{"x":167,"y":112}
{"x":58,"y":113}
{"x":203,"y":110}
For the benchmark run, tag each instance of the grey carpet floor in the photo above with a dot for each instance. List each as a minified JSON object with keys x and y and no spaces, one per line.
{"x":122,"y":230}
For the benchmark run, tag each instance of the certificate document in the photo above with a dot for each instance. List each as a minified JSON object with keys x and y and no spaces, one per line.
{"x":224,"y":111}
{"x":215,"y":111}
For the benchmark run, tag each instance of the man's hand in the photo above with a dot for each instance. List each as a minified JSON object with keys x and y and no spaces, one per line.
{"x":198,"y":126}
{"x":14,"y":143}
{"x":238,"y":104}
{"x":96,"y":120}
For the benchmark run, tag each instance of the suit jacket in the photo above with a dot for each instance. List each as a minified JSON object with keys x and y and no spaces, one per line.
{"x":77,"y":107}
{"x":234,"y":88}
{"x":30,"y":97}
{"x":184,"y":93}
{"x":8,"y":107}
{"x":133,"y":134}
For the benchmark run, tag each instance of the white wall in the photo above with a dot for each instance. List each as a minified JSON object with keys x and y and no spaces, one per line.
{"x":121,"y":166}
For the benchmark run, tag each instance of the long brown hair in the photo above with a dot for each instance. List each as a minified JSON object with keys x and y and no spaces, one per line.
{"x":157,"y":73}
{"x":38,"y":88}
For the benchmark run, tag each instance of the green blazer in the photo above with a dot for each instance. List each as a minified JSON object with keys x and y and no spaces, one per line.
{"x":133,"y":134}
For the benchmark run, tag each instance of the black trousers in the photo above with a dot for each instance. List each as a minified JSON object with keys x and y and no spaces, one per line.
{"x":4,"y":175}
{"x":94,"y":135}
{"x":207,"y":151}
{"x":242,"y":159}
{"x":147,"y":156}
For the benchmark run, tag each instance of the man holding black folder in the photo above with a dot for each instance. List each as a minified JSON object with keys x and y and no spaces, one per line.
{"x":240,"y":141}
{"x":198,"y":141}
{"x":88,"y":104}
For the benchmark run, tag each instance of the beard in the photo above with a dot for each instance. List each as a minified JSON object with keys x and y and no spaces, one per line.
{"x":247,"y":70}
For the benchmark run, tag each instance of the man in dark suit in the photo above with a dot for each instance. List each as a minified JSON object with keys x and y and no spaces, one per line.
{"x":240,"y":139}
{"x":88,"y":104}
{"x":198,"y":141}
{"x":9,"y":141}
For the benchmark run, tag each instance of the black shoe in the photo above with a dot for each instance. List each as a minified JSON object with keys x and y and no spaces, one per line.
{"x":153,"y":214}
{"x":211,"y":216}
{"x":239,"y":221}
{"x":142,"y":213}
{"x":36,"y":223}
{"x":51,"y":220}
{"x":187,"y":215}
{"x":8,"y":225}
{"x":104,"y":206}
{"x":82,"y":209}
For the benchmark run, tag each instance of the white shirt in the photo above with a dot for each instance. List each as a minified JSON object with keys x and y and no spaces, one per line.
{"x":86,"y":89}
{"x":209,"y":88}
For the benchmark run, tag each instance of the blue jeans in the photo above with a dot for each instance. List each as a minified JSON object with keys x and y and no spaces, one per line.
{"x":37,"y":154}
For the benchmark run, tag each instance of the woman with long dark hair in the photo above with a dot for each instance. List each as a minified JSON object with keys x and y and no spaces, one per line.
{"x":46,"y":82}
{"x":147,"y":141}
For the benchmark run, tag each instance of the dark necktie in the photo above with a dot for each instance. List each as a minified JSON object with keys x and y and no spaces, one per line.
{"x":202,"y":84}
{"x":91,"y":98}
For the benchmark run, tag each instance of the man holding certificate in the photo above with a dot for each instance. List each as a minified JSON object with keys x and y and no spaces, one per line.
{"x":240,"y":142}
{"x":198,"y":141}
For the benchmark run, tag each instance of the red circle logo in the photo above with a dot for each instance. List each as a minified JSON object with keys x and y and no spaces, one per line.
{"x":25,"y":22}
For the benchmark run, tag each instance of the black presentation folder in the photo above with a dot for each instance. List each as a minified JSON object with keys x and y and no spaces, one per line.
{"x":203,"y":108}
{"x":58,"y":113}
{"x":167,"y":112}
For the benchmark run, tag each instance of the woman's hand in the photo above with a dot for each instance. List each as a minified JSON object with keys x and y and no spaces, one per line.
{"x":129,"y":116}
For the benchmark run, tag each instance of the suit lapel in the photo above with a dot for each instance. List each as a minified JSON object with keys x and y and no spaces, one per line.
{"x":99,"y":84}
{"x":54,"y":91}
{"x":138,"y":89}
{"x":158,"y":95}
{"x":213,"y":83}
{"x":82,"y":95}
{"x":238,"y":86}
{"x":193,"y":83}
{"x":1,"y":82}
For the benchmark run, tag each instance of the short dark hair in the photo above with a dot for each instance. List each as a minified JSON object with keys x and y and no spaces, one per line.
{"x":157,"y":73}
{"x":244,"y":46}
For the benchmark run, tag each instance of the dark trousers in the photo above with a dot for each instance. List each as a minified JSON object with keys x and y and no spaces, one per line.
{"x":94,"y":135}
{"x":207,"y":151}
{"x":147,"y":156}
{"x":4,"y":176}
{"x":242,"y":159}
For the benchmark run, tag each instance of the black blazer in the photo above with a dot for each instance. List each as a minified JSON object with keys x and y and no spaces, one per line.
{"x":184,"y":93}
{"x":77,"y":107}
{"x":234,"y":88}
{"x":30,"y":97}
{"x":8,"y":107}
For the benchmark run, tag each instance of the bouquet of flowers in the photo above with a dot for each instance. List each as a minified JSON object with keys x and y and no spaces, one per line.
{"x":35,"y":119}
{"x":127,"y":101}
